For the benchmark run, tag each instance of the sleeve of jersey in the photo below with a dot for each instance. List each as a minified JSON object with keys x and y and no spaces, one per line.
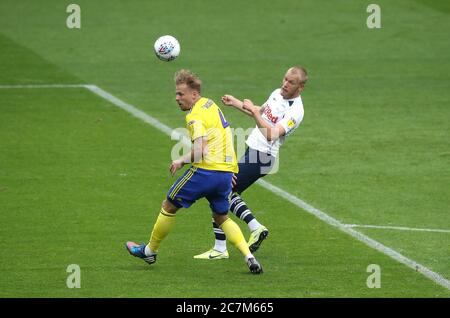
{"x":291,"y":120}
{"x":196,"y":127}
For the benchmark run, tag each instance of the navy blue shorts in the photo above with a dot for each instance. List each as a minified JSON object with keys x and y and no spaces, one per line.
{"x":252,"y":166}
{"x":198,"y":183}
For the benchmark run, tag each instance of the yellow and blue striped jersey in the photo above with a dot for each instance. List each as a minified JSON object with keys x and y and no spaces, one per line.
{"x":205,"y":119}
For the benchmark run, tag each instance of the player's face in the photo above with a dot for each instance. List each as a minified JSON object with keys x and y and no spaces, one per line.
{"x":185,"y":96}
{"x":291,"y":85}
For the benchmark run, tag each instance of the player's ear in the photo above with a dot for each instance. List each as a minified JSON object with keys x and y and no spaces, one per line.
{"x":301,"y":86}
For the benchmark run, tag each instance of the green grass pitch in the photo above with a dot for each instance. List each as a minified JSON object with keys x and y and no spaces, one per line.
{"x":79,"y":176}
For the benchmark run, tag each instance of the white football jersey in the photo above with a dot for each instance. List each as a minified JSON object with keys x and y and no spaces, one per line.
{"x":287,"y":112}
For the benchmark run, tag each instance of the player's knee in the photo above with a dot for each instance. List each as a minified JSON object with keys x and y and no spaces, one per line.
{"x":219,"y":218}
{"x":169,"y":207}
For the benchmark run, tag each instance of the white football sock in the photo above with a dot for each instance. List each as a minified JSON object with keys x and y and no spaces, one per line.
{"x":220,"y":245}
{"x":253,"y":225}
{"x":148,"y":251}
{"x":249,"y":256}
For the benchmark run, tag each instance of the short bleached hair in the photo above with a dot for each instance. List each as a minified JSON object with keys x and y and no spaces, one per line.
{"x":301,"y":71}
{"x":190,"y":79}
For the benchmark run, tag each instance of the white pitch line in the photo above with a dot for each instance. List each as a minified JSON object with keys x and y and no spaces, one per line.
{"x":358,"y":235}
{"x":138,"y":113}
{"x":400,"y":228}
{"x":291,"y":198}
{"x":437,"y":278}
{"x":44,"y":86}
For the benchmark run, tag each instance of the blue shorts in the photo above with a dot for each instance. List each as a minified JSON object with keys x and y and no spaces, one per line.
{"x":198,"y":183}
{"x":252,"y":166}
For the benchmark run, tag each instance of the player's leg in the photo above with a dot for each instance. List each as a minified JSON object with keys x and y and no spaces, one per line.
{"x":251,"y":168}
{"x":163,"y":225}
{"x":220,"y":204}
{"x":219,"y":250}
{"x":235,"y":236}
{"x":256,"y":165}
{"x":239,"y":208}
{"x":181,"y":194}
{"x":258,"y":232}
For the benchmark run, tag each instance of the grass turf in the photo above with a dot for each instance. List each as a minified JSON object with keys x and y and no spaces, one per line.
{"x":79,"y":177}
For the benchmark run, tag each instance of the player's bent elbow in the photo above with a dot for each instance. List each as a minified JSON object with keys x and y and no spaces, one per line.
{"x":205,"y":150}
{"x":271,"y":137}
{"x":274,"y":134}
{"x":197,"y":156}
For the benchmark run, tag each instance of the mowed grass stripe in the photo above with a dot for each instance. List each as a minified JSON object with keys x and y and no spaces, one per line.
{"x":436,"y":277}
{"x":67,"y":203}
{"x":373,"y":148}
{"x":68,"y":164}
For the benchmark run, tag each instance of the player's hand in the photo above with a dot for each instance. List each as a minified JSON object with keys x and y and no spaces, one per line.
{"x":233,"y":180}
{"x":248,"y":105}
{"x":175,"y":165}
{"x":229,"y":100}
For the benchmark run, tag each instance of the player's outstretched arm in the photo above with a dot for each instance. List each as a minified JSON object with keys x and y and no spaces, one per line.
{"x":270,"y":132}
{"x":230,"y":100}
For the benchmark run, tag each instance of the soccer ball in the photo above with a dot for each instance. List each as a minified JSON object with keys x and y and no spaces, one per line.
{"x":167,"y":48}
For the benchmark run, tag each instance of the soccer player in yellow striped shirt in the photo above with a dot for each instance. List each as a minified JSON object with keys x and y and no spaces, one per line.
{"x":213,"y":162}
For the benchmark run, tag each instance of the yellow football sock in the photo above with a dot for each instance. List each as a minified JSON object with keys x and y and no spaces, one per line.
{"x":235,"y":236}
{"x":162,"y":227}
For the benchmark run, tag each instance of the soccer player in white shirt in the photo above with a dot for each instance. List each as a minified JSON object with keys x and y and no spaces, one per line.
{"x":279,"y":116}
